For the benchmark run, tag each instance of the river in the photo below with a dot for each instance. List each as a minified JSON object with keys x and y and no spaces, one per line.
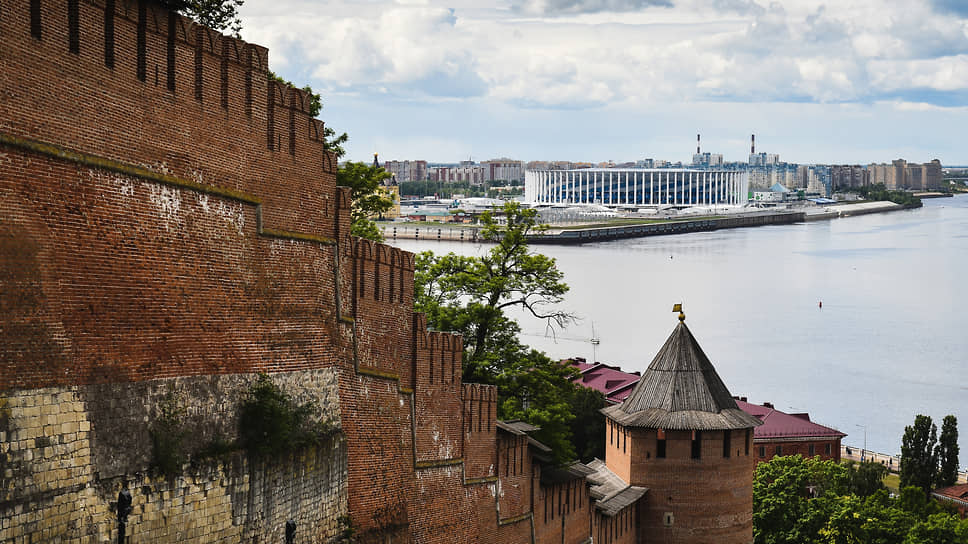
{"x":889,"y":341}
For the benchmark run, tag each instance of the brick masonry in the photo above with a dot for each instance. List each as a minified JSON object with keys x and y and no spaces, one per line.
{"x":67,"y":452}
{"x":704,"y":499}
{"x":767,"y":449}
{"x":171,"y":228}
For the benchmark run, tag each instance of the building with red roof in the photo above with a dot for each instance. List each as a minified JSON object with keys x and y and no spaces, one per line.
{"x":789,"y":434}
{"x":780,"y":434}
{"x":956,"y":495}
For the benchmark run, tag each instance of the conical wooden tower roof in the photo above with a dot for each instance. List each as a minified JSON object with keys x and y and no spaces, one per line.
{"x":681,"y":391}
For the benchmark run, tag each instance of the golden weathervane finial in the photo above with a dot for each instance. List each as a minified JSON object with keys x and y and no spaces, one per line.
{"x":678,"y":308}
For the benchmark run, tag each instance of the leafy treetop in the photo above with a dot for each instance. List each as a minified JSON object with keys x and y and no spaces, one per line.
{"x":809,"y":501}
{"x":919,"y":459}
{"x":369,"y":197}
{"x":470,"y":295}
{"x":507,"y":276}
{"x":947,"y":453}
{"x":222,"y":15}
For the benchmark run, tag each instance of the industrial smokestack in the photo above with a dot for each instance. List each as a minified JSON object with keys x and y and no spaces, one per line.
{"x":752,"y":144}
{"x":697,"y":145}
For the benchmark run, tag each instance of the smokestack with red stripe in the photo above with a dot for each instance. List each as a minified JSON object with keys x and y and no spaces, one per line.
{"x":697,"y":145}
{"x":752,"y":144}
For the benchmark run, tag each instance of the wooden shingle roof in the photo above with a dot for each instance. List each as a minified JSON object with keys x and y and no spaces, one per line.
{"x":681,"y":391}
{"x":609,"y":490}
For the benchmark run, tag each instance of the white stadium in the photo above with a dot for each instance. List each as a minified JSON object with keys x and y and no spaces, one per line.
{"x":637,"y":187}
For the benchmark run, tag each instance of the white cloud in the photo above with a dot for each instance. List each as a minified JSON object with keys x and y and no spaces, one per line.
{"x":941,"y":74}
{"x":563,"y":7}
{"x":621,"y":55}
{"x":636,"y":51}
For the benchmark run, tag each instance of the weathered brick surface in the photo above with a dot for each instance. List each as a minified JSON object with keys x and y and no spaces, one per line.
{"x":79,"y":102}
{"x":377,"y":423}
{"x":480,"y":433}
{"x":445,"y":511}
{"x":171,"y":224}
{"x":111,"y":278}
{"x":563,"y":513}
{"x":622,"y":529}
{"x":68,"y":451}
{"x":438,"y":397}
{"x":382,"y":301}
{"x":516,"y":476}
{"x":710,"y":499}
{"x":806,"y":448}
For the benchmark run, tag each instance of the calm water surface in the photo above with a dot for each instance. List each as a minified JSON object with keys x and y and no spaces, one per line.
{"x":888,"y":343}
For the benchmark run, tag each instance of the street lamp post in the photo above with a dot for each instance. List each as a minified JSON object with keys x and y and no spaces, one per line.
{"x":863,"y":452}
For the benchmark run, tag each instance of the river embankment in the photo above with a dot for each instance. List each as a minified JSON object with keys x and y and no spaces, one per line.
{"x":598,"y":232}
{"x":850,"y":209}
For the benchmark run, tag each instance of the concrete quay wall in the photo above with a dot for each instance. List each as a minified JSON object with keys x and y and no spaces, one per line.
{"x":597,"y":234}
{"x":580,"y":236}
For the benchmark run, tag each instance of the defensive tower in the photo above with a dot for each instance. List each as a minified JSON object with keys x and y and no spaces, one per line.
{"x":681,"y":435}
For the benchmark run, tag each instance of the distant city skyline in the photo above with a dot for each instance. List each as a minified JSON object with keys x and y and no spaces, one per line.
{"x":596,"y":80}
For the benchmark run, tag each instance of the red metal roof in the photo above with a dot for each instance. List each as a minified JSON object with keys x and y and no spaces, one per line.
{"x":957,"y":494}
{"x":616,"y":385}
{"x":777,"y":424}
{"x":609,"y":380}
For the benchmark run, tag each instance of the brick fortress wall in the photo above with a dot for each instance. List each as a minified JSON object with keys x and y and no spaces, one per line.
{"x":68,"y":451}
{"x":171,"y":222}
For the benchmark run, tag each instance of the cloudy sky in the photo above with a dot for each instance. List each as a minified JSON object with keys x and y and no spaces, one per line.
{"x":855,"y":81}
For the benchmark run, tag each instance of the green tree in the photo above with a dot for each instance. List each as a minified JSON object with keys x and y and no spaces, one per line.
{"x":919,"y":461}
{"x":534,"y":388}
{"x":947,"y":453}
{"x":793,"y":498}
{"x":880,"y":192}
{"x":939,"y":529}
{"x":369,"y":197}
{"x":808,"y":501}
{"x":507,"y":276}
{"x":220,"y":15}
{"x":866,"y":478}
{"x":588,"y":427}
{"x":470,"y":295}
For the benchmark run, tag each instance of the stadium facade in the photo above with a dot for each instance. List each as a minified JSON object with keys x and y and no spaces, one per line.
{"x":637,"y":187}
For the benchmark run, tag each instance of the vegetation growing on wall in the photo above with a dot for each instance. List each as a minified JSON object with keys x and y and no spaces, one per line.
{"x":167,"y":436}
{"x":272,"y":423}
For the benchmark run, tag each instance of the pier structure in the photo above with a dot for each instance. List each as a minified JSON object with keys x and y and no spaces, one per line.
{"x":637,"y":187}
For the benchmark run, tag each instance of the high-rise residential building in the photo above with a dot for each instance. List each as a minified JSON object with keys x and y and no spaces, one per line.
{"x":764,"y":175}
{"x":407,"y":170}
{"x":848,"y":176}
{"x":933,"y":176}
{"x":901,"y":175}
{"x":504,"y":169}
{"x":707,"y":160}
{"x":472,"y":173}
{"x":764,"y":159}
{"x":815,"y":178}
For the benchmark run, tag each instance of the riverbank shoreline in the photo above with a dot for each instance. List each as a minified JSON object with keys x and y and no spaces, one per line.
{"x":598,"y":233}
{"x":892,"y":462}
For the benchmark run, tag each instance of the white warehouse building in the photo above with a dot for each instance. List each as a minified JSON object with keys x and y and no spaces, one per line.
{"x":637,"y":187}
